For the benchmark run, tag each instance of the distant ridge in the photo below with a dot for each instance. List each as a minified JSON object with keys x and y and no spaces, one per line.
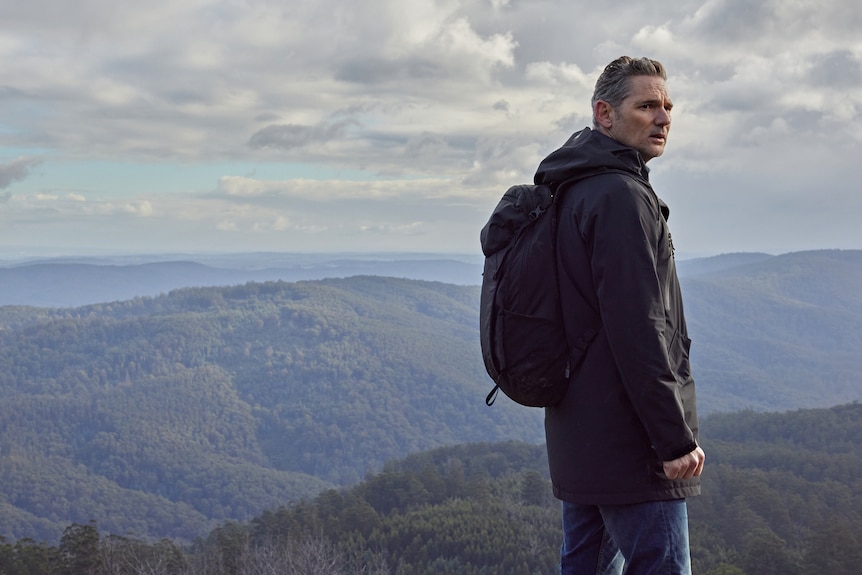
{"x":81,"y":281}
{"x":70,"y":282}
{"x":719,"y":263}
{"x":782,"y":332}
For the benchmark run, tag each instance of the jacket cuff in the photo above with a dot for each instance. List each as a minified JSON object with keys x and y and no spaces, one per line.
{"x":685,"y":450}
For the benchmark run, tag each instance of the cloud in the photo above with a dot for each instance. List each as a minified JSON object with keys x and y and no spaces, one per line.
{"x":836,"y":69}
{"x":143,"y":208}
{"x":287,"y":136}
{"x":16,"y":170}
{"x":250,"y":190}
{"x":407,"y":119}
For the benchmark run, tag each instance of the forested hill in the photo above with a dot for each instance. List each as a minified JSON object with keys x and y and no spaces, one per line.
{"x":776,"y":332}
{"x":779,"y":498}
{"x":160,"y":416}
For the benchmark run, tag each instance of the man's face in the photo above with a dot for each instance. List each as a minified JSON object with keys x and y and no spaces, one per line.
{"x":642,"y":120}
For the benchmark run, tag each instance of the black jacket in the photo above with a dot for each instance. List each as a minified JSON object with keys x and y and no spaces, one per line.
{"x":631,"y":403}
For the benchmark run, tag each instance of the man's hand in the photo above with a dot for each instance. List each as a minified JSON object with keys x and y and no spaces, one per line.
{"x":686,"y":467}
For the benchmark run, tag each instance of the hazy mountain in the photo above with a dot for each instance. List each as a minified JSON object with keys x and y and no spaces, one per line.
{"x":71,"y":282}
{"x":778,"y":333}
{"x":698,"y":266}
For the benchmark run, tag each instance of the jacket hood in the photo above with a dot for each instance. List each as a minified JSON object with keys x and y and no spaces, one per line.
{"x":587,"y":153}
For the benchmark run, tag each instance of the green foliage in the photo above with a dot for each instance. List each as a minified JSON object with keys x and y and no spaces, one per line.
{"x":725,"y":569}
{"x":79,"y":550}
{"x":835,"y":548}
{"x":771,"y":503}
{"x":452,"y":510}
{"x":165,"y":416}
{"x":485,"y":508}
{"x":772,"y":486}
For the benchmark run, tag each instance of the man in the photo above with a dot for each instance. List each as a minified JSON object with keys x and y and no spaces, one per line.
{"x":622,"y":444}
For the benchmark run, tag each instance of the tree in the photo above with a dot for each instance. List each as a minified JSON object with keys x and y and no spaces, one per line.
{"x":79,"y":550}
{"x":767,"y":554}
{"x":33,"y":558}
{"x":835,"y":549}
{"x":725,"y":569}
{"x":534,"y":489}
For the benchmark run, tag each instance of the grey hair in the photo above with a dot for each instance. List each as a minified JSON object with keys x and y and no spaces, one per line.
{"x":613,"y":85}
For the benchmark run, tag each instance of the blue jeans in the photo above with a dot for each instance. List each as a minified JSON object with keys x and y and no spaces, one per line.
{"x":640,"y":539}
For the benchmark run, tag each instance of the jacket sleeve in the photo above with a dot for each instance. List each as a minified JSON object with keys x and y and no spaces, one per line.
{"x":625,"y":234}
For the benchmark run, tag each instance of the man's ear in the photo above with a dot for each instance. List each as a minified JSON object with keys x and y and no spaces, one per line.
{"x":604,"y":114}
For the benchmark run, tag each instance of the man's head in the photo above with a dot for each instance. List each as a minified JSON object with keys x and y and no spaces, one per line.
{"x":631,"y":105}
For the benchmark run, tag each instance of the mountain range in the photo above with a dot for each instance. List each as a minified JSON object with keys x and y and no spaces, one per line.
{"x":71,"y":282}
{"x":776,"y":332}
{"x":161,"y":416}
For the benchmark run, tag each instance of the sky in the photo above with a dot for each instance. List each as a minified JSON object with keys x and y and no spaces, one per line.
{"x":200,"y":126}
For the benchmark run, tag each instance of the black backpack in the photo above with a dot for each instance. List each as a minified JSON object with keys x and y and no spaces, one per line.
{"x":521,"y":327}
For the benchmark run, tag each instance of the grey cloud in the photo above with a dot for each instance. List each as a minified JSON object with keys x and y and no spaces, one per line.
{"x":736,"y":20}
{"x":181,"y":97}
{"x":366,"y":72}
{"x":732,"y":98}
{"x":376,"y":70}
{"x":803,"y":120}
{"x":289,"y":136}
{"x":495,"y":156}
{"x":573,"y":122}
{"x":370,"y":86}
{"x":266,"y":117}
{"x":10,"y":92}
{"x":838,"y":69}
{"x":550,"y":30}
{"x":16,"y":170}
{"x":426,"y":152}
{"x":425,"y":144}
{"x":418,"y":68}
